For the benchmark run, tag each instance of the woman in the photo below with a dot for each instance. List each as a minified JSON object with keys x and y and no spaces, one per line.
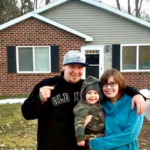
{"x":122,"y":124}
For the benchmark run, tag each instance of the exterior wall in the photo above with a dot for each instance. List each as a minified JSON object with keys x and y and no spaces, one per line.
{"x":107,"y":58}
{"x":29,"y":33}
{"x":140,"y":80}
{"x":106,"y":29}
{"x":104,"y":26}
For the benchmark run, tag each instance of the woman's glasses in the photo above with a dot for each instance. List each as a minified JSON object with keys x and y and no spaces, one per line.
{"x":112,"y":84}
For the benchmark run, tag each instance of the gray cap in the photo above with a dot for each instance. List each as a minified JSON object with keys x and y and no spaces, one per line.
{"x":74,"y":57}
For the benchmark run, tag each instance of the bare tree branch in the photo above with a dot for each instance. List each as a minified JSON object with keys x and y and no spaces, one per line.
{"x":9,"y":9}
{"x":129,"y":7}
{"x":35,"y":4}
{"x":41,"y":2}
{"x":136,"y":11}
{"x":136,"y":8}
{"x":47,"y":2}
{"x":133,"y":12}
{"x":118,"y":4}
{"x":140,"y":7}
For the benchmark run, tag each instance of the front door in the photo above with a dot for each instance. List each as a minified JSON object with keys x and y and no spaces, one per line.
{"x":95,"y":58}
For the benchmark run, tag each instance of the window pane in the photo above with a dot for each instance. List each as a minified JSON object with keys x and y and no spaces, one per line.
{"x":92,"y":58}
{"x":25,"y":59}
{"x":41,"y":59}
{"x":129,"y":57}
{"x":93,"y":71}
{"x":144,"y":57}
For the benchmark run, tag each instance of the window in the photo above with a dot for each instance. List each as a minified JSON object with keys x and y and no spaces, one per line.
{"x":92,"y":58}
{"x":144,"y":57}
{"x":135,"y":57}
{"x":33,"y":59}
{"x":95,"y":58}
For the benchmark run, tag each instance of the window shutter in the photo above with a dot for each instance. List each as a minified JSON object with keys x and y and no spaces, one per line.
{"x":54,"y":58}
{"x":11,"y":59}
{"x":116,"y":56}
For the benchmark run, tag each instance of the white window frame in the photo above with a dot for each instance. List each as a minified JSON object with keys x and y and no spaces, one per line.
{"x":100,"y":48}
{"x":137,"y":58}
{"x":33,"y":49}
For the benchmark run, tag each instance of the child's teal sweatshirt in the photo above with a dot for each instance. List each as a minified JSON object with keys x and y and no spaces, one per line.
{"x":122,"y":127}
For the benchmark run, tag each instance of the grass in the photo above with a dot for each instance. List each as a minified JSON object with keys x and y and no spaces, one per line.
{"x":15,"y":132}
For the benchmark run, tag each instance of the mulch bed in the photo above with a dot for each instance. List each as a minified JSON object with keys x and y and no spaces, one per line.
{"x":144,"y":138}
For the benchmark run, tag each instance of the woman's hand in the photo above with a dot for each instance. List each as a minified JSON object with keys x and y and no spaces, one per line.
{"x":87,"y":120}
{"x":140,"y":103}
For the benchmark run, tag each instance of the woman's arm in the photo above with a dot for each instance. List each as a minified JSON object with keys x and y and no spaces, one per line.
{"x":127,"y":136}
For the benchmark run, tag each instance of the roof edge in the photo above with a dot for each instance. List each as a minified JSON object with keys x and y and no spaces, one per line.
{"x":46,"y":20}
{"x":15,"y":21}
{"x":118,"y":12}
{"x":61,"y":26}
{"x":50,"y":5}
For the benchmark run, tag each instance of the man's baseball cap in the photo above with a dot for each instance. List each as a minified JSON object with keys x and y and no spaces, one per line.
{"x":74,"y":57}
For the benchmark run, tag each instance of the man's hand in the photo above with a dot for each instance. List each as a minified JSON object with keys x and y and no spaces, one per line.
{"x":45,"y":92}
{"x":81,"y":143}
{"x":140,"y":103}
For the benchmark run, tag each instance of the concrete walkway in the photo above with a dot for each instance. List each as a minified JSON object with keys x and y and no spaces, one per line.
{"x":12,"y":101}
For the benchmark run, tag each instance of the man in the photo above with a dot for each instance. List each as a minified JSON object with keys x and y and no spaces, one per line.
{"x":52,"y":102}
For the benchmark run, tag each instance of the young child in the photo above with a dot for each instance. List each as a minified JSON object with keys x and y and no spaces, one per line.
{"x":89,"y":104}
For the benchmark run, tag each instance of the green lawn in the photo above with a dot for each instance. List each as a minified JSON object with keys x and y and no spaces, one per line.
{"x":15,"y":132}
{"x":18,"y":134}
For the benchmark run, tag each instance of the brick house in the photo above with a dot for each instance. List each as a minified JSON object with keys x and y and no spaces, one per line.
{"x":32,"y":46}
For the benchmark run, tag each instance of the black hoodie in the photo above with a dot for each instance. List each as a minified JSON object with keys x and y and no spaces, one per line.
{"x":55,"y":117}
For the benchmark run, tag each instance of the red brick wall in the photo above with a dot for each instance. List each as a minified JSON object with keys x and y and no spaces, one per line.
{"x":29,"y":33}
{"x":139,"y":80}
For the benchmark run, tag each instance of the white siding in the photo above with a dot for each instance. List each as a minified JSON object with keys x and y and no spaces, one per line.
{"x":107,"y":59}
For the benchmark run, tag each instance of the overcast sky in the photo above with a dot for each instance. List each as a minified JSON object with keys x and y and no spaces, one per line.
{"x":123,"y":3}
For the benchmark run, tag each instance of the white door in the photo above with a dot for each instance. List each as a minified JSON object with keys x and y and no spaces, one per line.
{"x":95,"y":58}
